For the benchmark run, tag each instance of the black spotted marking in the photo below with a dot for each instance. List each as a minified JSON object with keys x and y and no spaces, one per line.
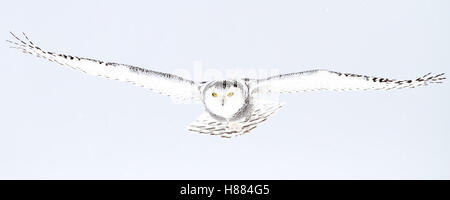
{"x":248,"y":130}
{"x":409,"y":81}
{"x":251,"y":121}
{"x":374,"y":79}
{"x":235,"y":84}
{"x":224,"y":84}
{"x":134,"y":69}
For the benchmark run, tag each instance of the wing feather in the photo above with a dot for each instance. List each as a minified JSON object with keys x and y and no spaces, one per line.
{"x":163,"y":83}
{"x":314,"y":80}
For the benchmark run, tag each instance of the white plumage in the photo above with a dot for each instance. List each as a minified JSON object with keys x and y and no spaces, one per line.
{"x":329,"y":80}
{"x":231,"y":106}
{"x":163,"y":83}
{"x":205,"y":124}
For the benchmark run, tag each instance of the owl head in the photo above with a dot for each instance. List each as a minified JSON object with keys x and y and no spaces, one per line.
{"x":225,"y":98}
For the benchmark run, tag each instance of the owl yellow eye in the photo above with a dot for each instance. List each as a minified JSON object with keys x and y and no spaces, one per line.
{"x":214,"y":94}
{"x":230,"y":94}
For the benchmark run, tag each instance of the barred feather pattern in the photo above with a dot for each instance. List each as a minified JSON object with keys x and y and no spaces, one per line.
{"x":205,"y":124}
{"x":316,"y":80}
{"x":162,"y":83}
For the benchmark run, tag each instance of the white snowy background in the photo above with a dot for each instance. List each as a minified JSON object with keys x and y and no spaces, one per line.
{"x":57,"y":123}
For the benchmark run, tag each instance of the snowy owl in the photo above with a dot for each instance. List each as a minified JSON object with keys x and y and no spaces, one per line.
{"x":231,"y":106}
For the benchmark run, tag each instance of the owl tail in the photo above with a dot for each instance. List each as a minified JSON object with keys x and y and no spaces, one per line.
{"x":206,"y":124}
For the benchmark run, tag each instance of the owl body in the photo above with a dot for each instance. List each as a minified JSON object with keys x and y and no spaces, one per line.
{"x":231,"y":106}
{"x":230,"y":109}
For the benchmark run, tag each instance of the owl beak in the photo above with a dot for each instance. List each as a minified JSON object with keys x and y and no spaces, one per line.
{"x":223,"y":101}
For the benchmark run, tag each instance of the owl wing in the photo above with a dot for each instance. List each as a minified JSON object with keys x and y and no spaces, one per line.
{"x":163,"y":83}
{"x":329,"y":80}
